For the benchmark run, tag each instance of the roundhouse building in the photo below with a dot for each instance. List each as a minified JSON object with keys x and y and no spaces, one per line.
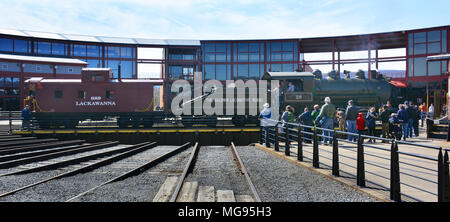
{"x":26,"y":54}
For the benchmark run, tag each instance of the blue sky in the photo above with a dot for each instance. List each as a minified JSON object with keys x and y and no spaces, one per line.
{"x":231,"y":19}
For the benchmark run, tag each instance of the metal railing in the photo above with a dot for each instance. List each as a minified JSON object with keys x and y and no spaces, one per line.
{"x":405,"y":173}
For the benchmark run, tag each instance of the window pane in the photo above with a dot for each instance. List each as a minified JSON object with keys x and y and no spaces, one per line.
{"x":221,"y":72}
{"x":444,"y":68}
{"x":410,"y":44}
{"x":221,"y":47}
{"x":58,"y":49}
{"x":254,"y":57}
{"x":44,"y":48}
{"x":410,"y":66}
{"x":254,"y":47}
{"x":79,"y":50}
{"x":8,"y":82}
{"x":420,"y":37}
{"x":288,"y":67}
{"x":288,"y":56}
{"x":2,"y":83}
{"x":242,"y":71}
{"x":275,"y":46}
{"x":208,"y":47}
{"x":113,"y":65}
{"x":175,"y":71}
{"x":420,"y":66}
{"x":21,"y":46}
{"x":221,"y":58}
{"x":6,"y":45}
{"x":127,"y":69}
{"x":434,"y":36}
{"x":126,"y":53}
{"x":16,"y":82}
{"x":434,"y":68}
{"x":275,"y":67}
{"x":288,"y":46}
{"x":434,"y":47}
{"x":93,"y":63}
{"x":243,"y":57}
{"x":209,"y":72}
{"x":420,"y":49}
{"x":243,"y":47}
{"x":113,"y":52}
{"x":8,"y":66}
{"x":254,"y":71}
{"x":93,"y":51}
{"x":444,"y":41}
{"x":209,"y":57}
{"x":276,"y":56}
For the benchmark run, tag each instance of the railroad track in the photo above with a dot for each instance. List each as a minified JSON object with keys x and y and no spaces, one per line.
{"x":179,"y":190}
{"x":26,"y":169}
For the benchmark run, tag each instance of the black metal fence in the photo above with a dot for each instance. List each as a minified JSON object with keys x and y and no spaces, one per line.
{"x":406,"y":174}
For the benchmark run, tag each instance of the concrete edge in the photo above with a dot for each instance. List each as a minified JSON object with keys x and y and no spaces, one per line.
{"x":324,"y":172}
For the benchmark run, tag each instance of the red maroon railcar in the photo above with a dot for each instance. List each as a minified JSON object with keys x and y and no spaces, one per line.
{"x":95,"y":96}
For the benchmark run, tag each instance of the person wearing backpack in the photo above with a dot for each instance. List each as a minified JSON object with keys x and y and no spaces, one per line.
{"x":326,"y":119}
{"x":371,"y":117}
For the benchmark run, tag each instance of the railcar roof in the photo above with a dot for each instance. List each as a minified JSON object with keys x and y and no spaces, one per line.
{"x":287,"y":75}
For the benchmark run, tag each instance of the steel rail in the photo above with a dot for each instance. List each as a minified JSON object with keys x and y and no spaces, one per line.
{"x":135,"y":149}
{"x":245,"y":172}
{"x":16,"y":139}
{"x":186,"y":170}
{"x":136,"y":170}
{"x":14,"y":163}
{"x":40,"y":152}
{"x":70,"y":161}
{"x":26,"y":142}
{"x":44,"y":146}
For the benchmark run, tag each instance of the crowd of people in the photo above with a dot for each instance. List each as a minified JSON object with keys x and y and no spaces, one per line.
{"x":401,"y":123}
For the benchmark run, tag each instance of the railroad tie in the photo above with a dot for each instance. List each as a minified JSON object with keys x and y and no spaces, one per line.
{"x":166,"y":190}
{"x":225,"y":196}
{"x":206,"y":194}
{"x":244,"y":198}
{"x":188,"y":192}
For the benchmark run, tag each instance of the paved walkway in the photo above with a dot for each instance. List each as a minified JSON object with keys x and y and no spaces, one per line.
{"x":418,"y":176}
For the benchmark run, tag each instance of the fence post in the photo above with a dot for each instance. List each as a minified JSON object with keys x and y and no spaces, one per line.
{"x":10,"y":122}
{"x":395,"y":173}
{"x":360,"y":172}
{"x":315,"y":150}
{"x":441,"y":177}
{"x":261,"y":137}
{"x":335,"y":155}
{"x":446,"y":178}
{"x":300,"y":145}
{"x":287,"y":142}
{"x":277,"y":148}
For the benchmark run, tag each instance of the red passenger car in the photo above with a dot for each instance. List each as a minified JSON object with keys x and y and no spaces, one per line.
{"x":95,"y":96}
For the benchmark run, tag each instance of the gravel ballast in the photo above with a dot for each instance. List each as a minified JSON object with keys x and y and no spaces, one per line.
{"x":65,"y":188}
{"x":278,"y":180}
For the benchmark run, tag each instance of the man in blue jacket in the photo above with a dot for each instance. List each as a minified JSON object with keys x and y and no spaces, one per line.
{"x":26,"y":116}
{"x":264,"y":117}
{"x":402,"y":116}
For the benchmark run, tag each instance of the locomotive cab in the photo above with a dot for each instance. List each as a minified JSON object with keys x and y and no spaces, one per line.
{"x":296,"y":88}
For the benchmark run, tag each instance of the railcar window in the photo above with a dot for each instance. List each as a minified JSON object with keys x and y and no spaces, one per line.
{"x":58,"y":94}
{"x":81,"y":94}
{"x":110,"y":94}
